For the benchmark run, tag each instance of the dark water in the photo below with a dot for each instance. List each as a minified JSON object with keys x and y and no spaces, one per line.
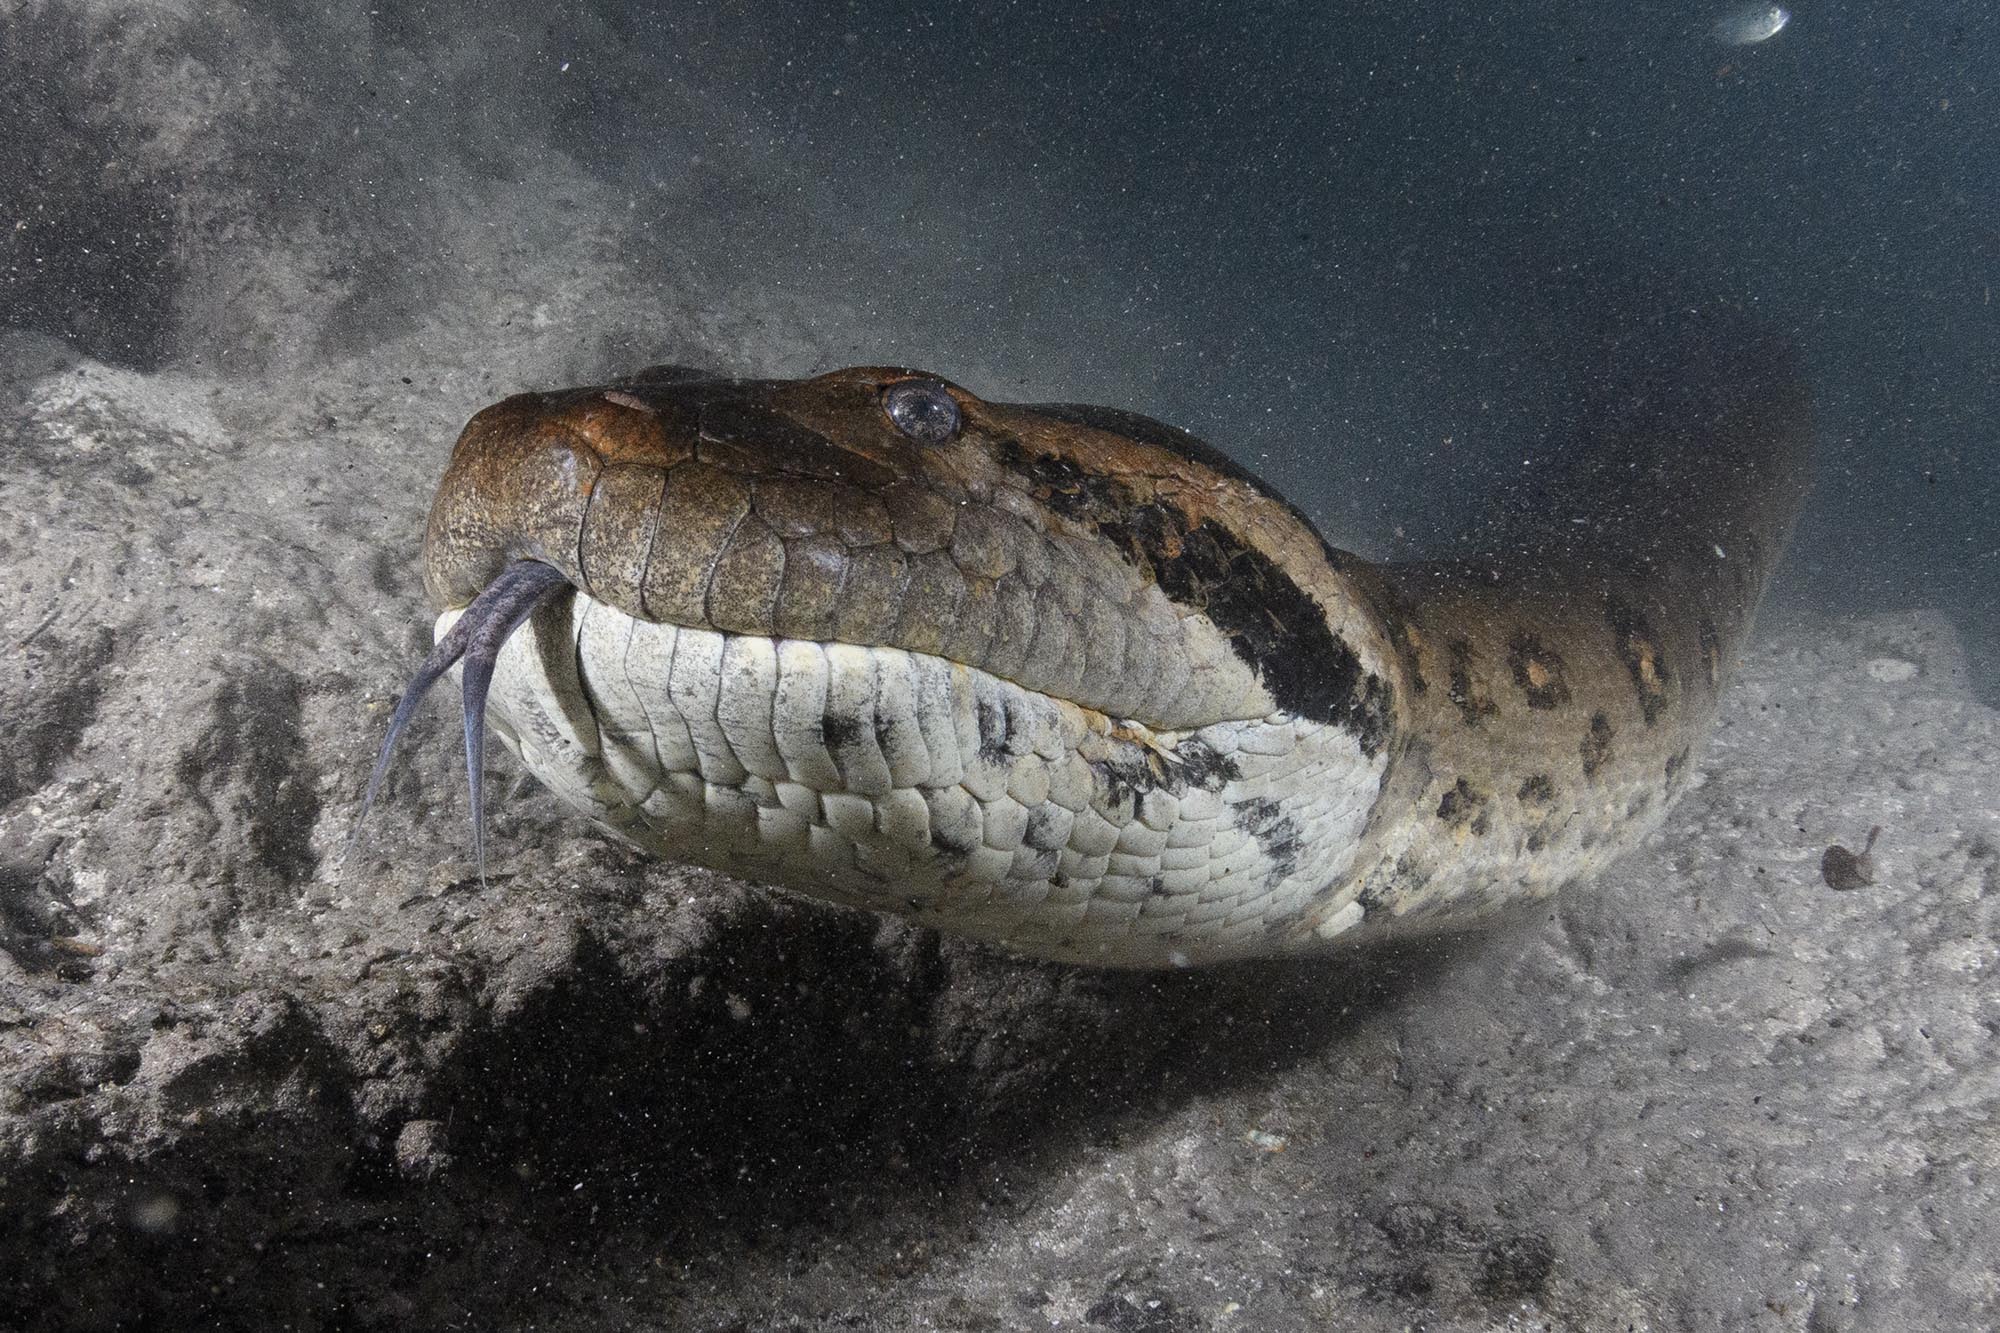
{"x":1373,"y":250}
{"x":1363,"y":247}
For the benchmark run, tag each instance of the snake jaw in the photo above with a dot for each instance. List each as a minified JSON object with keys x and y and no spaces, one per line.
{"x":475,"y":639}
{"x":901,"y":782}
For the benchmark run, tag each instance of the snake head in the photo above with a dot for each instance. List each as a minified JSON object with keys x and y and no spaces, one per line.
{"x":1097,"y":556}
{"x":875,"y":637}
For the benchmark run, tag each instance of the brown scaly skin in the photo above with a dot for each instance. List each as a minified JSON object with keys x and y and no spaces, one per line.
{"x":1540,"y":704}
{"x":1562,"y":685}
{"x":1030,"y":546}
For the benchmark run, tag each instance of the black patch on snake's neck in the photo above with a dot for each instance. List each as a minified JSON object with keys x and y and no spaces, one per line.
{"x":1275,"y":627}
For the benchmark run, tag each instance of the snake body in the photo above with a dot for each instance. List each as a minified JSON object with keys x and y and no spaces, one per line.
{"x":1069,"y":680}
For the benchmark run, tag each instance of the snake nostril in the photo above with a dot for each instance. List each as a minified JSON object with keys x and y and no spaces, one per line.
{"x":923,"y":410}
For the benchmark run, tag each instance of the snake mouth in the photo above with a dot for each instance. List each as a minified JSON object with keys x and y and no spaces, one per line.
{"x":904,"y":782}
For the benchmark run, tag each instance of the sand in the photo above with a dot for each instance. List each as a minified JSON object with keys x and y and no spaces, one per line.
{"x":252,"y":1078}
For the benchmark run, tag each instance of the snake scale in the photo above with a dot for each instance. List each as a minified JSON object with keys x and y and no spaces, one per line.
{"x":1069,"y":680}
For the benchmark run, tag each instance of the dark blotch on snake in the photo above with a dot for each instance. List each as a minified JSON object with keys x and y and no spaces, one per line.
{"x":1645,"y":660}
{"x":950,"y":843}
{"x":1135,"y":426}
{"x":1462,"y":804}
{"x":1045,"y":831}
{"x":995,"y":727}
{"x":1065,"y":487}
{"x":839,"y":733}
{"x":1473,"y":706}
{"x":1276,"y":834}
{"x":1274,"y":625}
{"x":1538,"y":671}
{"x":1675,"y":764}
{"x":749,"y":437}
{"x":1596,"y":745}
{"x":1132,"y":770}
{"x":1203,"y":766}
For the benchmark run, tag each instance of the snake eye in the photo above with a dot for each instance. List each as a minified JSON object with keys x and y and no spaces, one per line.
{"x":922,"y":410}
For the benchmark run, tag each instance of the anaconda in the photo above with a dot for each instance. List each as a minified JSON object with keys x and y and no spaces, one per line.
{"x":1069,"y":680}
